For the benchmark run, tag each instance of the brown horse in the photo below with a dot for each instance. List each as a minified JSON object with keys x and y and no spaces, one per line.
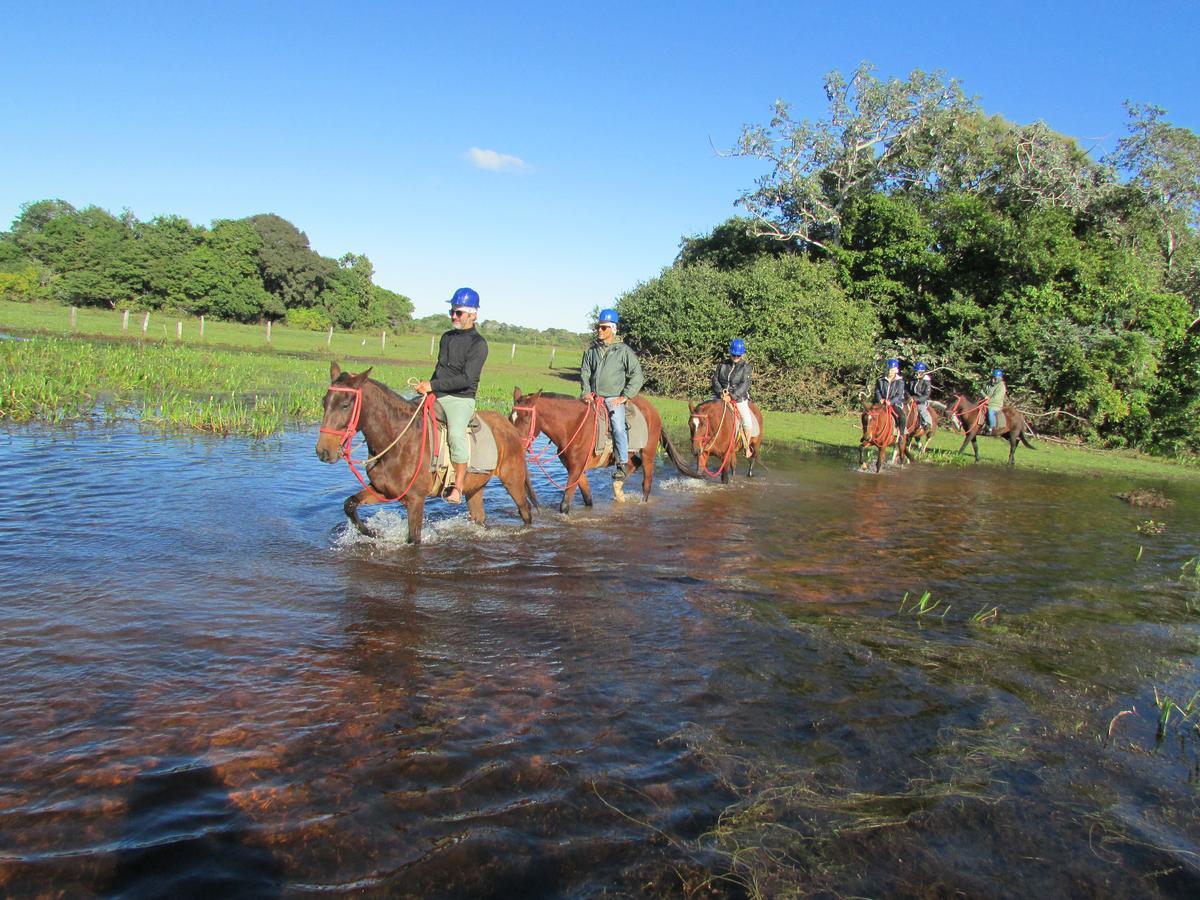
{"x":573,"y":425}
{"x":714,"y":425}
{"x":879,"y":430}
{"x":398,"y":443}
{"x":915,"y":432}
{"x":974,"y":421}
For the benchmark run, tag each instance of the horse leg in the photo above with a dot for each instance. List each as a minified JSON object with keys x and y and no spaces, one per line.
{"x":516,"y":482}
{"x":362,"y":498}
{"x":966,"y":440}
{"x":585,"y":490}
{"x":725,"y":472}
{"x":416,"y":516}
{"x":475,"y":507}
{"x":1012,"y":448}
{"x":647,"y":461}
{"x":975,"y":447}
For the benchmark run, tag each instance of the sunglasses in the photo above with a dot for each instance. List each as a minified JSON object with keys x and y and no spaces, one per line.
{"x":604,"y":327}
{"x":455,"y":313}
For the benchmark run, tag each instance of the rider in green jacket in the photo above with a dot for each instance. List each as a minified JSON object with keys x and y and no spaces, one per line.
{"x":611,"y":370}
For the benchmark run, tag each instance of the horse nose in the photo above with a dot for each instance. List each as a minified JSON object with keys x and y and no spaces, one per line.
{"x":321,"y":455}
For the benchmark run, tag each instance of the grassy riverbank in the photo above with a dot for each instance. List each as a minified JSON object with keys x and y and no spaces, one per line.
{"x":234,"y":382}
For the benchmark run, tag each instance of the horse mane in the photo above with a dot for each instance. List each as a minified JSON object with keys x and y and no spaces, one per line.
{"x":556,"y":396}
{"x":387,"y":391}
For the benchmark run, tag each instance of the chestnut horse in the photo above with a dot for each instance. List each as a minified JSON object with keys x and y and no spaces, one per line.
{"x":974,"y":422}
{"x":399,"y":467}
{"x":573,"y":425}
{"x":714,"y":425}
{"x":879,"y":430}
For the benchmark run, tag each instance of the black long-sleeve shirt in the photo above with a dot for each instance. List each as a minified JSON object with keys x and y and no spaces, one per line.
{"x":733,"y":377}
{"x":921,"y":389}
{"x":890,"y":391}
{"x":461,"y":355}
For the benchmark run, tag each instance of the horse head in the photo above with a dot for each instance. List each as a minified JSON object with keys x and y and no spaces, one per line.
{"x":343,"y":408}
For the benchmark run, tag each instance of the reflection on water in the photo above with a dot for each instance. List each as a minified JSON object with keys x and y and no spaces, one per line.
{"x":212,"y":686}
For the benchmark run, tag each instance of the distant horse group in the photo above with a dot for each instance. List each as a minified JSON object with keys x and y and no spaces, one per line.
{"x":881,"y":431}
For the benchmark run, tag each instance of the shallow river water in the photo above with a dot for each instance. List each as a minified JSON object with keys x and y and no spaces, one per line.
{"x":210,"y":687}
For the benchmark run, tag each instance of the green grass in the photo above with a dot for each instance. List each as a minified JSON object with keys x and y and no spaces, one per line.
{"x":234,"y":381}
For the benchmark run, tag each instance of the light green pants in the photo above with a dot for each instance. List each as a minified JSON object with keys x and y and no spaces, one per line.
{"x":458,"y":412}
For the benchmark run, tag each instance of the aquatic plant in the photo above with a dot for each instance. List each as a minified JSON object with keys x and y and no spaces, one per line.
{"x":1167,"y":706}
{"x":924,"y":605}
{"x":985,"y":615}
{"x":1151,"y":527}
{"x":1148,"y":498}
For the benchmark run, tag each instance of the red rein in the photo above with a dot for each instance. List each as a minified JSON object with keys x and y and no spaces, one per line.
{"x":593,"y":406}
{"x":351,"y":429}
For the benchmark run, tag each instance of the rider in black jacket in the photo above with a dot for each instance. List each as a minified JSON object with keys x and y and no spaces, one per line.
{"x":890,"y":389}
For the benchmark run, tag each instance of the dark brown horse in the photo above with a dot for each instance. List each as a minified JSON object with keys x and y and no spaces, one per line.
{"x":974,"y":421}
{"x":915,"y":432}
{"x":879,"y":430}
{"x":398,"y":434}
{"x":714,"y":425}
{"x":573,"y":425}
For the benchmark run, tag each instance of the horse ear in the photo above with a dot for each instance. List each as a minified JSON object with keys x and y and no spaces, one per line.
{"x":691,"y":407}
{"x":334,"y":371}
{"x":516,"y":393}
{"x":360,"y":379}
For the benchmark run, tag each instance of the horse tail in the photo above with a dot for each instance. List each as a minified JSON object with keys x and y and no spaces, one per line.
{"x":689,"y":471}
{"x":1024,"y":440}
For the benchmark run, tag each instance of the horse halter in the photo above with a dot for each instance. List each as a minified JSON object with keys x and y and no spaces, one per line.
{"x":347,"y":434}
{"x":532,"y":436}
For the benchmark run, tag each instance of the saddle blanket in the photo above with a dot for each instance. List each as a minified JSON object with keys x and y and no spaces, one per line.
{"x":481,"y":443}
{"x":635,"y":425}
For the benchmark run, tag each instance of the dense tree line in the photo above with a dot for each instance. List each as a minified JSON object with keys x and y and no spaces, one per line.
{"x":243,"y":270}
{"x":503,"y":332}
{"x":910,"y":223}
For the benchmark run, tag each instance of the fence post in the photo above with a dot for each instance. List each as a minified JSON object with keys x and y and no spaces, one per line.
{"x":512,"y":353}
{"x":383,"y":342}
{"x":329,"y":337}
{"x":179,"y":331}
{"x":431,"y":345}
{"x":202,"y":328}
{"x":145,"y":324}
{"x":268,"y":331}
{"x":553,"y":350}
{"x":125,"y":320}
{"x":74,"y":312}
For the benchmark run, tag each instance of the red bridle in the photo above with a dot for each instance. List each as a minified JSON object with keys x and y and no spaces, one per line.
{"x":351,"y":429}
{"x":698,"y":439}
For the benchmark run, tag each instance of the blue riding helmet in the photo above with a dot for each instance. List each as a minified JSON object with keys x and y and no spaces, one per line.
{"x":608,"y":316}
{"x":465,"y":297}
{"x":919,"y":367}
{"x":996,"y":373}
{"x":737,"y":347}
{"x":893,"y":363}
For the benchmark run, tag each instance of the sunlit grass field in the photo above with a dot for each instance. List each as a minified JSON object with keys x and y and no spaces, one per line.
{"x":233,"y":381}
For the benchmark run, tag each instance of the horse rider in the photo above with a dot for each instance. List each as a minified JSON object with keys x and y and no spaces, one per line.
{"x":731,"y":383}
{"x":995,"y":394}
{"x":921,"y":391}
{"x":455,"y":381}
{"x":611,"y":370}
{"x":889,"y":389}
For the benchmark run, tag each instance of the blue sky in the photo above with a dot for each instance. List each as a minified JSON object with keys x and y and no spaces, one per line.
{"x":550,"y":155}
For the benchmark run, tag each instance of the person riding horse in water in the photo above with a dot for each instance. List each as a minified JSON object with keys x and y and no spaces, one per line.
{"x":921,"y":390}
{"x":889,"y":389}
{"x":611,"y":370}
{"x":455,"y":381}
{"x":995,"y":394}
{"x":731,"y":383}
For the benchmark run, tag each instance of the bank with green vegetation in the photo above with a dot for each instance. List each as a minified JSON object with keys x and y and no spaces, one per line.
{"x":245,"y":386}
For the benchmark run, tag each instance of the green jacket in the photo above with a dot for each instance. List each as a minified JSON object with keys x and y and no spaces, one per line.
{"x":610,"y":370}
{"x":995,"y":394}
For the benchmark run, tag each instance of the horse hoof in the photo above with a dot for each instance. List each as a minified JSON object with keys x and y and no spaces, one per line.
{"x":618,"y":492}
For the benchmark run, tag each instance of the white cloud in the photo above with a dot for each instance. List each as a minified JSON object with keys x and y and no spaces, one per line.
{"x":496,"y":162}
